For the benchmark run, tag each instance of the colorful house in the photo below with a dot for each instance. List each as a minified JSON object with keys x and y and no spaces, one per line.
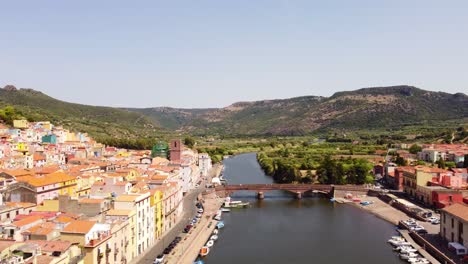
{"x":156,"y":201}
{"x":21,"y":124}
{"x":35,"y":189}
{"x":51,"y":139}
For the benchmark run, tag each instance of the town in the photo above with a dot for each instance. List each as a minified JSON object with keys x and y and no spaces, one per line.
{"x":67,"y":199}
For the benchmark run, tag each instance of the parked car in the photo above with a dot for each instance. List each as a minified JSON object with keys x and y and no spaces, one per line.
{"x":159,"y":259}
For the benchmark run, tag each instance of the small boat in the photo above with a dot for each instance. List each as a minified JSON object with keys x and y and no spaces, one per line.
{"x":210,"y":243}
{"x":225,"y":210}
{"x":214,"y":237}
{"x":199,"y":262}
{"x":220,"y":225}
{"x":215,"y":232}
{"x":364,"y":203}
{"x":409,"y":255}
{"x":217,"y":218}
{"x":204,"y":251}
{"x":332,"y":200}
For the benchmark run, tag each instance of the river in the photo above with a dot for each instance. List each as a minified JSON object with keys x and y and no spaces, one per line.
{"x":282,"y":230}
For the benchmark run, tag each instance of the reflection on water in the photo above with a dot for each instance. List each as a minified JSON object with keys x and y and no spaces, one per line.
{"x":281,"y":229}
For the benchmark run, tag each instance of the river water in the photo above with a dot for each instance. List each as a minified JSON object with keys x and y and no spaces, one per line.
{"x":282,"y":230}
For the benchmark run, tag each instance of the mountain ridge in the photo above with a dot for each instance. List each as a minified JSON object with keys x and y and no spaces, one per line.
{"x":365,"y":108}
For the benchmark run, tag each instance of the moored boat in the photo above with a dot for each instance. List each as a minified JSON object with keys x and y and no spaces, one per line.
{"x":204,"y":251}
{"x":210,"y":243}
{"x":214,"y":237}
{"x":225,"y":210}
{"x":220,"y":225}
{"x":215,"y":232}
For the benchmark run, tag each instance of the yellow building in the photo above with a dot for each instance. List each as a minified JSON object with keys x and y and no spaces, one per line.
{"x":23,"y":123}
{"x":68,"y":184}
{"x":414,"y":177}
{"x":48,"y":206}
{"x":130,"y":236}
{"x":22,"y":146}
{"x":93,"y":238}
{"x":156,"y":201}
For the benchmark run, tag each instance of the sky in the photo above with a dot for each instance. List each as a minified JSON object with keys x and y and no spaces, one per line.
{"x":199,"y":53}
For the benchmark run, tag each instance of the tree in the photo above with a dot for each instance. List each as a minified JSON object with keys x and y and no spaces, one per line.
{"x":400,"y":161}
{"x":415,"y":148}
{"x":189,"y":142}
{"x":441,"y":163}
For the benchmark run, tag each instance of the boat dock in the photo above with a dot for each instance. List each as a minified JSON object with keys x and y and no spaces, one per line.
{"x":405,"y":234}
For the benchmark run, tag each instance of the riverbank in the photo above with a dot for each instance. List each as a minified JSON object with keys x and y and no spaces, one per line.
{"x":389,"y":213}
{"x":189,"y":249}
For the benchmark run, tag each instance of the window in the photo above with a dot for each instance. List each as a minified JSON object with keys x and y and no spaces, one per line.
{"x":445,"y":218}
{"x":450,"y":198}
{"x":453,"y":224}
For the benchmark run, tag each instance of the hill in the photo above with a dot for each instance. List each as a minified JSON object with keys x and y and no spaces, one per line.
{"x":368,"y":108}
{"x":378,"y":109}
{"x":100,"y":122}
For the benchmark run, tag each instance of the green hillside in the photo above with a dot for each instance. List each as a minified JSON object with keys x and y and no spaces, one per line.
{"x":98,"y":121}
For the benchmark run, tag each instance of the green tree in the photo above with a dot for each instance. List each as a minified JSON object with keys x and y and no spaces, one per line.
{"x":400,"y":161}
{"x":189,"y":142}
{"x":441,"y":163}
{"x":415,"y":148}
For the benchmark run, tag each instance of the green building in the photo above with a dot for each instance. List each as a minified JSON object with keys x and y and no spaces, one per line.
{"x":161,"y":149}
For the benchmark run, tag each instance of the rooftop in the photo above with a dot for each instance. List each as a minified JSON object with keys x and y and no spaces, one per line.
{"x":459,"y":210}
{"x":79,"y":227}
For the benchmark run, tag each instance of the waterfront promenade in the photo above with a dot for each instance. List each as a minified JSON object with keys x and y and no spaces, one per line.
{"x":187,"y":251}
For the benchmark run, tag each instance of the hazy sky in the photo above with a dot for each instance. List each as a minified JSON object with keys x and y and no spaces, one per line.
{"x":200,"y":53}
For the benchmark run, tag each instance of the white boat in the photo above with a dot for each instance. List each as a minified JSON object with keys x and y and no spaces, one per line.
{"x":408,"y":250}
{"x":217,"y":218}
{"x":210,"y":243}
{"x":225,"y":210}
{"x":409,"y":255}
{"x":214,"y":237}
{"x":215,"y":232}
{"x":396,"y":243}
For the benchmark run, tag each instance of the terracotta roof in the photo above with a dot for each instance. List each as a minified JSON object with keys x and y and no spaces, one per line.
{"x":42,"y":229}
{"x":5,"y":244}
{"x":19,"y":172}
{"x":27,"y":220}
{"x":51,"y":246}
{"x":64,"y":219}
{"x":37,"y":157}
{"x":121,"y":183}
{"x":41,"y":259}
{"x":115,"y":212}
{"x":79,"y":227}
{"x":127,"y":198}
{"x":459,"y":210}
{"x":91,"y":201}
{"x":20,"y":204}
{"x":49,"y":179}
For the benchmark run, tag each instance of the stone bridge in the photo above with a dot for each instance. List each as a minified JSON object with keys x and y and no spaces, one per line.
{"x":296,"y":189}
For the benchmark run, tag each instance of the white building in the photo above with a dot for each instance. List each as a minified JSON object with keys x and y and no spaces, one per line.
{"x":204,"y":163}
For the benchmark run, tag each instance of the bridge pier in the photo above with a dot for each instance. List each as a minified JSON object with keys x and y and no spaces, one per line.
{"x":260,"y":195}
{"x":298,"y":195}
